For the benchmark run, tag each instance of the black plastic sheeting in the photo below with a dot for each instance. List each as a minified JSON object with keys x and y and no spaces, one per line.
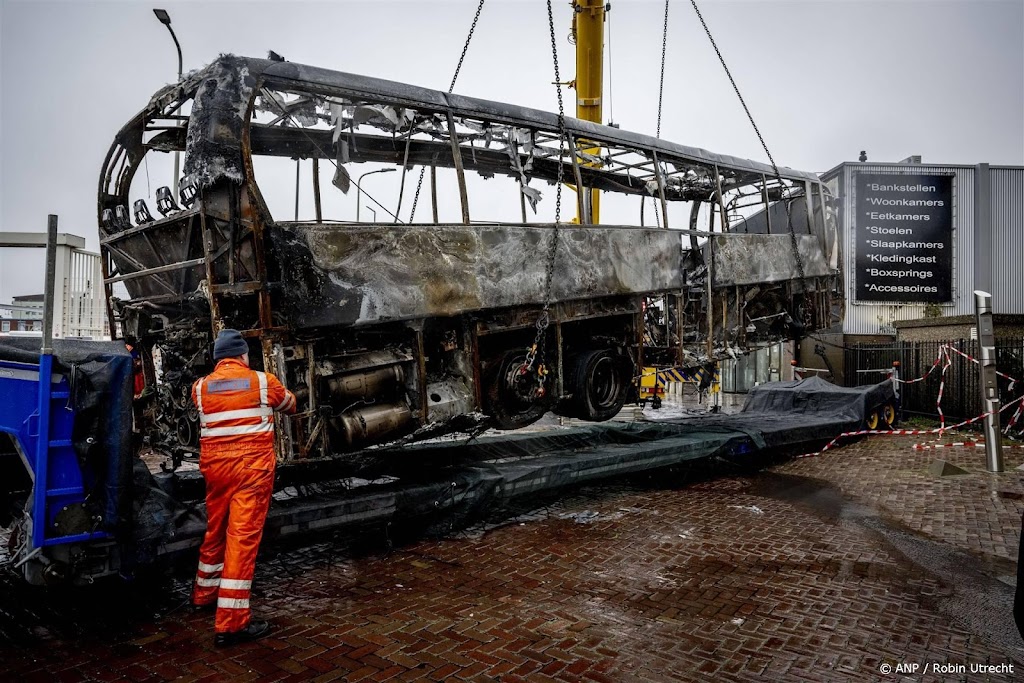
{"x":465,"y":479}
{"x":805,"y":410}
{"x":100,"y":375}
{"x":816,"y":397}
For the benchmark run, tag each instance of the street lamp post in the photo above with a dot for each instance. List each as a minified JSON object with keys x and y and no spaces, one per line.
{"x":359,"y":187}
{"x":165,"y":19}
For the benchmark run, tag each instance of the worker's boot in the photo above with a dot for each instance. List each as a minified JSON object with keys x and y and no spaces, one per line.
{"x":257,"y":628}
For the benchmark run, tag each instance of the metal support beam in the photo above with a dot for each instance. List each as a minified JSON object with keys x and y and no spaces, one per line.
{"x":316,"y":190}
{"x":661,"y":191}
{"x":433,"y":191}
{"x":159,"y":269}
{"x":51,"y":274}
{"x":582,"y":215}
{"x":453,"y":138}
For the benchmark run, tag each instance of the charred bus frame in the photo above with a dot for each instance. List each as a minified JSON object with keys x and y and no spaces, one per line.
{"x":402,"y":330}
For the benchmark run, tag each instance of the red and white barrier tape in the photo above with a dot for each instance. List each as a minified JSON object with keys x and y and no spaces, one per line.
{"x":944,"y":358}
{"x":909,"y":432}
{"x":1013,"y":420}
{"x":955,"y":444}
{"x":975,"y":361}
{"x":960,"y":444}
{"x":944,"y":353}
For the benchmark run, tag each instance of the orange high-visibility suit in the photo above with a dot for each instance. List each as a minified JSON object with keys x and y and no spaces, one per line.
{"x":236,"y":414}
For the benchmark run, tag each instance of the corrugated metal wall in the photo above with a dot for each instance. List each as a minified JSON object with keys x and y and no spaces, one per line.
{"x":1008,"y":238}
{"x":878,"y":318}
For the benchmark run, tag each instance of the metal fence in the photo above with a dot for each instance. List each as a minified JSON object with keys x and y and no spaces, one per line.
{"x":961,"y":398}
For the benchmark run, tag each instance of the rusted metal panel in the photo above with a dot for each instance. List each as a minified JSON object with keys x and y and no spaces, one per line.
{"x":757,"y":259}
{"x":365,"y":274}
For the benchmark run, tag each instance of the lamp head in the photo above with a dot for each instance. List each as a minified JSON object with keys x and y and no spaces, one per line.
{"x":163,"y":16}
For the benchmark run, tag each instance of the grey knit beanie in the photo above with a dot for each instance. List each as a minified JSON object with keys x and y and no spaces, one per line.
{"x":229,"y":344}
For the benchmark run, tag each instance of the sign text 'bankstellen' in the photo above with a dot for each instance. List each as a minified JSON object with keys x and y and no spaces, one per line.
{"x":904,"y":237}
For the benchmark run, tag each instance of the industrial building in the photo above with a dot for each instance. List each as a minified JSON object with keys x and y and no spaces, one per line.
{"x":78,"y":295}
{"x":917,"y":240}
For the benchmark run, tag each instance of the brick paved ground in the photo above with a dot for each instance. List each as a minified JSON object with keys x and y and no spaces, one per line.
{"x":979,"y":512}
{"x":776,"y":576}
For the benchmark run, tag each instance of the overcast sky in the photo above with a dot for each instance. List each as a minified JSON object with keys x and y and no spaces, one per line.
{"x":823,"y":78}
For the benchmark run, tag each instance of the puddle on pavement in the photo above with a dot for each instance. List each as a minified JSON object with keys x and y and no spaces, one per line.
{"x":820,"y":497}
{"x":981,"y":600}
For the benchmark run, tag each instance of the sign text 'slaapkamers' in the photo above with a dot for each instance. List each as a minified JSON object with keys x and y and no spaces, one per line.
{"x":904,"y":237}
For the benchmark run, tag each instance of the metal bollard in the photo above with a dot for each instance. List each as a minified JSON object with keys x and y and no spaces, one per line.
{"x":989,"y":384}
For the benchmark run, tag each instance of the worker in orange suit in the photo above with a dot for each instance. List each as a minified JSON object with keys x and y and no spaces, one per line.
{"x":236,"y":416}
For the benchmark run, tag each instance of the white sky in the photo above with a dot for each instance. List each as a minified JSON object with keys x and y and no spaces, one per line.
{"x":823,"y":78}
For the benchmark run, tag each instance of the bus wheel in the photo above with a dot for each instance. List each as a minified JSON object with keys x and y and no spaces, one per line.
{"x":600,"y":381}
{"x":515,"y":396}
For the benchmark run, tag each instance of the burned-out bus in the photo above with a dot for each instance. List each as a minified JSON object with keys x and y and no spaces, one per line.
{"x":465,"y":302}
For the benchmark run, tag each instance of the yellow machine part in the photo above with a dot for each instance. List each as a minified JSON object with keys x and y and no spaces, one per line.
{"x":588,"y":30}
{"x":653,"y":380}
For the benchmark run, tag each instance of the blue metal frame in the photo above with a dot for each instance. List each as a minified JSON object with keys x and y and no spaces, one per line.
{"x":39,"y":416}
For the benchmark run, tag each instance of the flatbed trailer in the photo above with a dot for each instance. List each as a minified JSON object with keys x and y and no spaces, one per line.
{"x":104,"y":511}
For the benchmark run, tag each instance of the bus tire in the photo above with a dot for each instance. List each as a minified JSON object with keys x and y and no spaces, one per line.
{"x":600,"y":382}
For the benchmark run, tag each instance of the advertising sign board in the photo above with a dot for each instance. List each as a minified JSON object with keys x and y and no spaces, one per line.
{"x":904,"y":237}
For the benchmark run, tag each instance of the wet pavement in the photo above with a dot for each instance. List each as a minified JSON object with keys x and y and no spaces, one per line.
{"x":851,"y":566}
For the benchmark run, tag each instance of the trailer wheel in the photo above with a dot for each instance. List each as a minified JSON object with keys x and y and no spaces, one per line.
{"x":873,"y":420}
{"x":600,"y":381}
{"x":516,"y":398}
{"x":889,"y":415}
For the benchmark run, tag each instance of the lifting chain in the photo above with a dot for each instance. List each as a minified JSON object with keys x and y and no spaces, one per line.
{"x":539,"y":341}
{"x":455,"y":77}
{"x":807,"y":307}
{"x":465,"y":47}
{"x":661,"y":83}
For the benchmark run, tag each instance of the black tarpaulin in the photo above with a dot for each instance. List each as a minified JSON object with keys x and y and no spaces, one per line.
{"x":815,"y":396}
{"x":462,"y":479}
{"x":100,"y":375}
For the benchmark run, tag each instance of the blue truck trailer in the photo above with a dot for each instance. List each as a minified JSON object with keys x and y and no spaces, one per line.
{"x":66,"y":455}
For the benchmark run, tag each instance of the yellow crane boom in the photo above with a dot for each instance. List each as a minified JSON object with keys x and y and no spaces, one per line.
{"x":588,"y":30}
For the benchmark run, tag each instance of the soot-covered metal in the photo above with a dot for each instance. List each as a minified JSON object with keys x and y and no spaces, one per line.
{"x":391,"y":332}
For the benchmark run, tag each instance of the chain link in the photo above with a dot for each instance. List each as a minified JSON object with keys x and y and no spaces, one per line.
{"x":455,"y":77}
{"x":544,"y":319}
{"x":465,"y":47}
{"x":661,"y":83}
{"x":807,"y":308}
